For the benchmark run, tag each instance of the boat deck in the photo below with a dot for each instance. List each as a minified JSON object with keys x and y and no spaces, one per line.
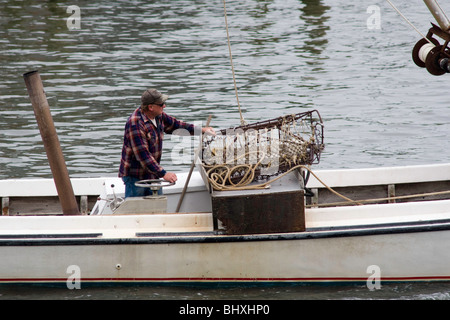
{"x":28,"y":200}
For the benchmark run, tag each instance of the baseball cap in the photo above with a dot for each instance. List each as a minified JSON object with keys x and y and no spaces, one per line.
{"x":153,"y":96}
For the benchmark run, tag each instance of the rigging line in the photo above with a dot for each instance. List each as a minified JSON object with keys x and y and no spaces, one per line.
{"x":232,"y":66}
{"x":401,"y":14}
{"x":335,"y":204}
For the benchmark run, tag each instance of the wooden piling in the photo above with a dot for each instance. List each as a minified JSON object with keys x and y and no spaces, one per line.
{"x":55,"y":156}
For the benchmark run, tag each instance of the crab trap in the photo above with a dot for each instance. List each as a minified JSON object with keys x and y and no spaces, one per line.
{"x":236,"y":157}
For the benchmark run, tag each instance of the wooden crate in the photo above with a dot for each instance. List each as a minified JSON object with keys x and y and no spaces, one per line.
{"x":280,"y":208}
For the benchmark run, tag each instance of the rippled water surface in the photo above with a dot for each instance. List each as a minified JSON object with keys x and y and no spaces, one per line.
{"x":378,"y":107}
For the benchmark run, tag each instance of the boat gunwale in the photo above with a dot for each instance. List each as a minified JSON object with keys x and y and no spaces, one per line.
{"x":142,"y":238}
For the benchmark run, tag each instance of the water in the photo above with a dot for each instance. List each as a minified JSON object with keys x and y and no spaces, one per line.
{"x":378,"y":107}
{"x":417,"y":291}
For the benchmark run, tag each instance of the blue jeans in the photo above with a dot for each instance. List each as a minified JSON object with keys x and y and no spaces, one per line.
{"x":133,"y":191}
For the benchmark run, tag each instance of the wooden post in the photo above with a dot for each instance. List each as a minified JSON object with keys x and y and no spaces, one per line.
{"x":51,"y":143}
{"x":5,"y":206}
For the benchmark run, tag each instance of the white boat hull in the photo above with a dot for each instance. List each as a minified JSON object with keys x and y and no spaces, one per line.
{"x":345,"y":259}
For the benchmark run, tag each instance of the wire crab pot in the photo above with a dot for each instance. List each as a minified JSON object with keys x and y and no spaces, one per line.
{"x":258,"y":151}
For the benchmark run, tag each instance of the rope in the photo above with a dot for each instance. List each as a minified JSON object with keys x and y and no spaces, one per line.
{"x":401,"y":14}
{"x":332,"y":204}
{"x":232,"y":65}
{"x":219,"y":175}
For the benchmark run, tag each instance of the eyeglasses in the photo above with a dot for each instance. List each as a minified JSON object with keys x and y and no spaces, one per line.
{"x":161,"y":105}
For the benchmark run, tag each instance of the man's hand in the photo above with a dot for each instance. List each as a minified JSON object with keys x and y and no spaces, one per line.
{"x":209,"y":130}
{"x":170,"y":176}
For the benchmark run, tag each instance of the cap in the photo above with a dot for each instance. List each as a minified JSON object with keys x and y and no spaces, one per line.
{"x":153,"y":96}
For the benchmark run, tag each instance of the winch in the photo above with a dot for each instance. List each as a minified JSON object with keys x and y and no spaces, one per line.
{"x":428,"y":52}
{"x":154,"y":203}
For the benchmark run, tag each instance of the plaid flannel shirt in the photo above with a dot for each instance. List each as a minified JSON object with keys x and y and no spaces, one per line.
{"x":142,"y":145}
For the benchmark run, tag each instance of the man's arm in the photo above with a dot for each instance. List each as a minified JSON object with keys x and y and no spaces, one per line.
{"x":172,"y":124}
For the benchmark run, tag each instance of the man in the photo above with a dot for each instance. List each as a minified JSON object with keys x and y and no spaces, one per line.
{"x":142,"y":143}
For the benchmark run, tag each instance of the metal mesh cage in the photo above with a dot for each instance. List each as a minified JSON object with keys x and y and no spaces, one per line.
{"x":263,"y":149}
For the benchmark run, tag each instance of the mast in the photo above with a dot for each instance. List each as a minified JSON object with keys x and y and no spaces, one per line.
{"x":438,"y":14}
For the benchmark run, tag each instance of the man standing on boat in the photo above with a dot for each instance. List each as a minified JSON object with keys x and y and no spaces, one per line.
{"x":142,"y":144}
